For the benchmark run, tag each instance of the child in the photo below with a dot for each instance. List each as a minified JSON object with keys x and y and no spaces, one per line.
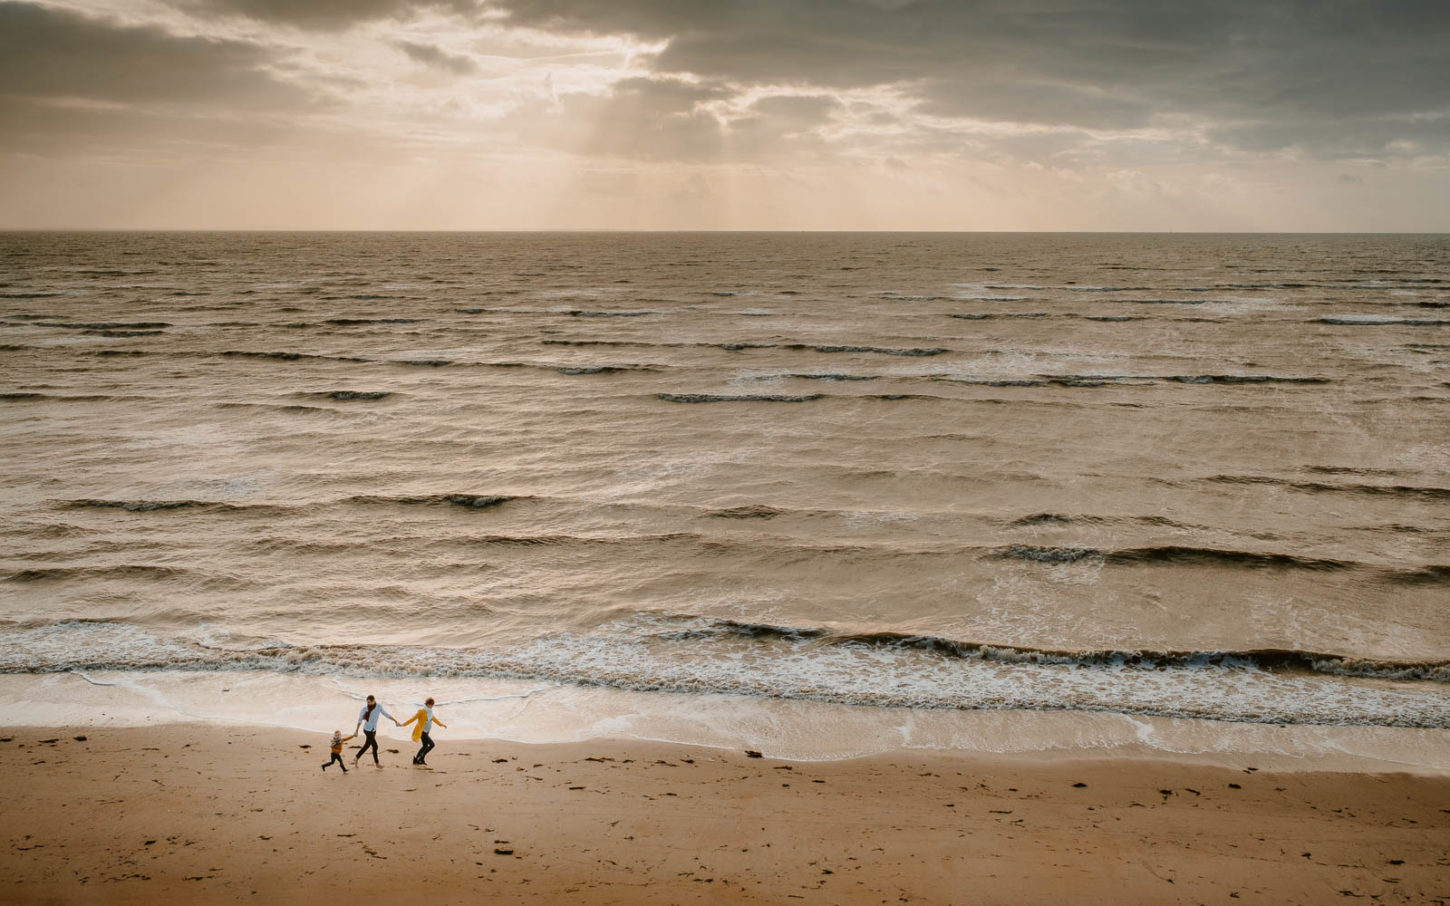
{"x":337,"y":740}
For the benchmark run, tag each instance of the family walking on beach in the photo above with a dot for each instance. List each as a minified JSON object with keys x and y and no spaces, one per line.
{"x":367,"y":722}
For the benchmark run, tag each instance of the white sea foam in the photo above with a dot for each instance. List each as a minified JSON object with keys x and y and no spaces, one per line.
{"x":648,"y":653}
{"x":532,"y":712}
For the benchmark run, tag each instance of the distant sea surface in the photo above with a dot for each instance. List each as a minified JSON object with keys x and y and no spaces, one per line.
{"x":1188,"y":476}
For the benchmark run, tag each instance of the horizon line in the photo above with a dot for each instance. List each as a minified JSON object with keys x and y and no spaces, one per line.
{"x":546,"y":230}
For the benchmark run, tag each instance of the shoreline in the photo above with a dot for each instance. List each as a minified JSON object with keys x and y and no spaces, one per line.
{"x":201,"y":813}
{"x":533,"y":712}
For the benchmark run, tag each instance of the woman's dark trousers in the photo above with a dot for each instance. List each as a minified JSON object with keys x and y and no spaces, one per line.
{"x":423,"y":752}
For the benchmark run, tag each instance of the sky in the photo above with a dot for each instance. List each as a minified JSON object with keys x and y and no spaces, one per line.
{"x":1151,"y":115}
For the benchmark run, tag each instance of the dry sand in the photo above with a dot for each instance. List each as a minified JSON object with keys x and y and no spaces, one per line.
{"x":200,"y":814}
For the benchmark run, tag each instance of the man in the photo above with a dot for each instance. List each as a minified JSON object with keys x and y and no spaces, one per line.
{"x":367,"y":721}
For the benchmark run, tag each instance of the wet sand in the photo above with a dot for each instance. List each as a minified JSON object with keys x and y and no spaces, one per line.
{"x":202,"y":814}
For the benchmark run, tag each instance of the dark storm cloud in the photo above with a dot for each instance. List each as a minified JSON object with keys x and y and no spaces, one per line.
{"x":68,"y":81}
{"x":1366,"y":138}
{"x":1264,"y":73}
{"x":438,"y":58}
{"x":52,"y":54}
{"x":325,"y":15}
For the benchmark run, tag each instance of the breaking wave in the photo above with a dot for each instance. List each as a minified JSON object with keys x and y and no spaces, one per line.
{"x":684,"y":654}
{"x":467,"y":501}
{"x":1409,"y":492}
{"x":737,"y":398}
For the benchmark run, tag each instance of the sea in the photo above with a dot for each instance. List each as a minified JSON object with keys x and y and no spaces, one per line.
{"x":824,"y":494}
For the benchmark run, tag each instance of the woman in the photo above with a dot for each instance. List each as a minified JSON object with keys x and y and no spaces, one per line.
{"x":367,"y":721}
{"x":425,"y":721}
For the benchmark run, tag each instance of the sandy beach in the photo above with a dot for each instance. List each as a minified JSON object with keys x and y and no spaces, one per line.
{"x":202,"y":814}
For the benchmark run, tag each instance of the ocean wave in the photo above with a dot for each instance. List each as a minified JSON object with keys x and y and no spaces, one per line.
{"x":737,"y":398}
{"x":1035,"y":519}
{"x":684,"y":654}
{"x":580,"y":313}
{"x":570,"y":369}
{"x":877,"y":350}
{"x":1046,"y":519}
{"x":1187,"y":555}
{"x":1051,"y":380}
{"x":151,"y":506}
{"x":1169,"y":554}
{"x":1164,"y":301}
{"x":998,"y":382}
{"x":752,"y":511}
{"x":1266,"y":659}
{"x":288,"y":356}
{"x":647,"y":344}
{"x":1353,"y":470}
{"x":359,"y":322}
{"x":646,"y":540}
{"x":1208,"y":556}
{"x":601,"y":369}
{"x":1379,"y":321}
{"x":68,"y":573}
{"x":1127,"y":380}
{"x":29,"y":396}
{"x":1244,"y":379}
{"x":1253,"y":286}
{"x":467,"y":501}
{"x":1413,"y":492}
{"x":1425,"y":575}
{"x":893,"y":397}
{"x":352,"y":395}
{"x":1049,"y":554}
{"x":108,"y":325}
